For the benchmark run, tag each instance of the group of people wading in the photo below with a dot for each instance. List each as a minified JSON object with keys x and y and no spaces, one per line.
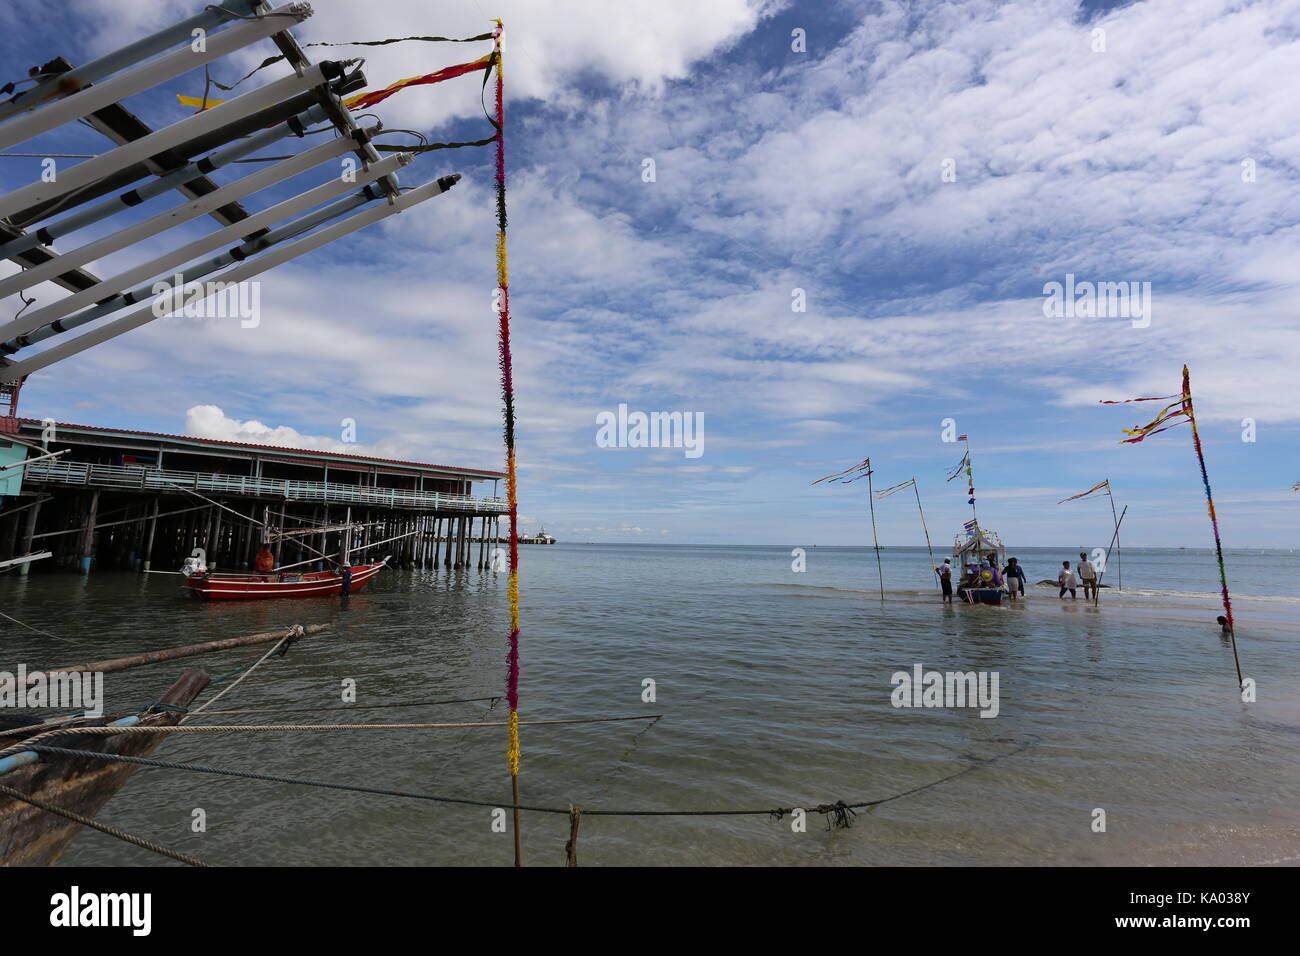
{"x":986,"y":574}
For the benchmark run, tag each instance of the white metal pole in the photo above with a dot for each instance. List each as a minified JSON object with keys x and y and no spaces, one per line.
{"x":98,"y":249}
{"x":56,"y":311}
{"x":115,"y":160}
{"x":156,"y":187}
{"x":245,"y":270}
{"x":66,"y":83}
{"x":91,"y":98}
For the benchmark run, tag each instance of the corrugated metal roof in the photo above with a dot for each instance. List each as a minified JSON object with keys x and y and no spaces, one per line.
{"x":339,"y":456}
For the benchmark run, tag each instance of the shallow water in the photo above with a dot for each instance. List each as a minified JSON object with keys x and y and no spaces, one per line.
{"x":775,"y":690}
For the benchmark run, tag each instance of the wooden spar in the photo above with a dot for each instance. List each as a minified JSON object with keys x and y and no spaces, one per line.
{"x":1096,"y":594}
{"x":23,"y":559}
{"x":875,"y":542}
{"x":113,"y":524}
{"x":27,"y":461}
{"x":30,"y":530}
{"x":1119,"y":560}
{"x":30,"y":504}
{"x":288,"y":533}
{"x":923,"y":527}
{"x":175,"y":653}
{"x":335,"y":554}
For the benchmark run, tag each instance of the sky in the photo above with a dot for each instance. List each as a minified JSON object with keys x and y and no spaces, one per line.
{"x":855,"y":215}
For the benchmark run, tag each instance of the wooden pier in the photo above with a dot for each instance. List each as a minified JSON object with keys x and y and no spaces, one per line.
{"x":145,"y":501}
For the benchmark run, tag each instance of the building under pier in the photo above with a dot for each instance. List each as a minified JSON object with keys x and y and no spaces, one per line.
{"x":116,"y":498}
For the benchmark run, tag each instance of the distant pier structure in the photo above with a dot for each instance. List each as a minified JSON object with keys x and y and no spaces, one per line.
{"x":116,"y":498}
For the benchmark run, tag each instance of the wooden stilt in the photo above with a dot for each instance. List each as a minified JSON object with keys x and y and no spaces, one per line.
{"x":28,"y":532}
{"x":87,"y":554}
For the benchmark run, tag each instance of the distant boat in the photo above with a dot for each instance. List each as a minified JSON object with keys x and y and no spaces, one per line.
{"x":977,"y":545}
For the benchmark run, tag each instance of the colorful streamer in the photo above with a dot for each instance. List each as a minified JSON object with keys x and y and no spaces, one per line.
{"x":364,"y":100}
{"x":963,"y":467}
{"x":849,"y":475}
{"x":895,"y":488}
{"x":508,"y":427}
{"x":367,"y":100}
{"x":1181,"y":409}
{"x":1097,"y":487}
{"x":1186,"y":411}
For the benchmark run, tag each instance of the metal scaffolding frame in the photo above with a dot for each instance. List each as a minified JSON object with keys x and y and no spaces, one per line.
{"x":180,"y":157}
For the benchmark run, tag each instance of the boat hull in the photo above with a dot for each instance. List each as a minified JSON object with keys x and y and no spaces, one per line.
{"x":982,"y":595}
{"x":243,"y":587}
{"x":30,"y":836}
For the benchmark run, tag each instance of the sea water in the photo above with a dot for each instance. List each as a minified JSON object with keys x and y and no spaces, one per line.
{"x":775,"y":690}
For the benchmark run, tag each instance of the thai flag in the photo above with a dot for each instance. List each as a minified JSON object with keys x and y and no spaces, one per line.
{"x":963,"y":438}
{"x":969,"y":526}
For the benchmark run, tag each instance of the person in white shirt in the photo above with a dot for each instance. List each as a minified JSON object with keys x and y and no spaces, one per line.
{"x":1066,"y":580}
{"x":1088,"y":575}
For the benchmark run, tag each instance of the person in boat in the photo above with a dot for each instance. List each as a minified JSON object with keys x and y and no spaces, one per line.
{"x":1015,"y":578}
{"x":1066,"y":579}
{"x":987,"y":575}
{"x":945,"y":579}
{"x":968,"y":580}
{"x":264,"y":562}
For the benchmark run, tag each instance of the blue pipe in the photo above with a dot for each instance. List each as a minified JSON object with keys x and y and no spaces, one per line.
{"x":298,"y":226}
{"x":31,"y":756}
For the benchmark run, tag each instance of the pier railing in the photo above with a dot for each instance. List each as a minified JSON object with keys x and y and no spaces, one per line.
{"x":162,"y":480}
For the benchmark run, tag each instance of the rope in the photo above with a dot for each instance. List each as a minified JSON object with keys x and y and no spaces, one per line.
{"x":839,"y":815}
{"x":35,"y":630}
{"x":301,"y":728}
{"x":295,"y":632}
{"x":300,"y":710}
{"x":101,"y":827}
{"x":271,"y":60}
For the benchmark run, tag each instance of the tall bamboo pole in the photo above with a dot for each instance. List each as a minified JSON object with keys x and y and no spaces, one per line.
{"x":923,"y":525}
{"x":1101,"y":572}
{"x":875,"y":541}
{"x":1214,"y":518}
{"x":1119,"y":560}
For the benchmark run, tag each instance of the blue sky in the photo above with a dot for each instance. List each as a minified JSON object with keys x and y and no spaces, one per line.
{"x":776,"y":170}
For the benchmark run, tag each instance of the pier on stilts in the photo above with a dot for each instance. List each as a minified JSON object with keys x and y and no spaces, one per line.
{"x":142,"y":501}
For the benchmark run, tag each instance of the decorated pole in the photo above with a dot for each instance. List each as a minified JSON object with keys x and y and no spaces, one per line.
{"x":508,"y":416}
{"x":1173,"y":414}
{"x":1214,"y":518}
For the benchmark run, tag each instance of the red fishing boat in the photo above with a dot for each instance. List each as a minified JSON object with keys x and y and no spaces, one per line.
{"x":228,"y":586}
